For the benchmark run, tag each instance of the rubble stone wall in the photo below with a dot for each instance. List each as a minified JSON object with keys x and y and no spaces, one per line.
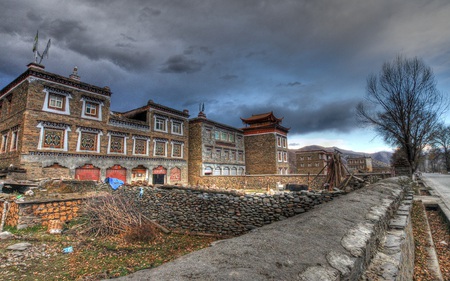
{"x":223,"y":213}
{"x":27,"y":214}
{"x":259,"y":181}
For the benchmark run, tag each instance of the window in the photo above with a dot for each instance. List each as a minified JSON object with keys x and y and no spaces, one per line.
{"x":208,"y":152}
{"x":241,"y":171}
{"x":233,"y":155}
{"x":207,"y":171}
{"x":217,"y":135}
{"x":217,"y":171}
{"x":284,"y":143}
{"x":177,"y":149}
{"x":4,"y":142}
{"x":240,"y":156}
{"x":231,"y":137}
{"x":160,"y":124}
{"x":224,"y":136}
{"x":208,"y":133}
{"x":117,"y":143}
{"x":302,"y":165}
{"x":278,"y":141}
{"x":226,"y":154}
{"x":233,"y":171}
{"x":160,"y":148}
{"x":309,"y":164}
{"x":302,"y":158}
{"x":92,"y":108}
{"x":88,"y":141}
{"x":226,"y":171}
{"x":285,"y":156}
{"x":316,"y":164}
{"x":280,"y":156}
{"x":14,"y":140}
{"x":309,"y":157}
{"x":53,"y":135}
{"x":56,"y":101}
{"x":140,"y":145}
{"x":218,"y":153}
{"x":177,"y":127}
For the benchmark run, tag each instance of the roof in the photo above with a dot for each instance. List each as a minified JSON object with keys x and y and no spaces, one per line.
{"x":151,"y":104}
{"x":214,"y":123}
{"x":36,"y":70}
{"x":262,"y":118}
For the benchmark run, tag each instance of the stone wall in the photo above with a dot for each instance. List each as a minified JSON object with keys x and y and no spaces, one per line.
{"x":260,"y":154}
{"x":31,"y":213}
{"x":336,"y":241}
{"x":221,"y":212}
{"x":260,"y":181}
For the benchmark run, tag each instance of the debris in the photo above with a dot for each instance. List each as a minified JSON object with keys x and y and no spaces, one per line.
{"x":68,"y":250}
{"x":114,"y":183}
{"x":6,"y":235}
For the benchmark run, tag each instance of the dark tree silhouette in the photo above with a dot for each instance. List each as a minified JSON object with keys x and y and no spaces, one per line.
{"x":441,"y":143}
{"x":404,"y":106}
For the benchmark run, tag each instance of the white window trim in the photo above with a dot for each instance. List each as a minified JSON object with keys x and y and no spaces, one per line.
{"x":83,"y":109}
{"x":4,"y":143}
{"x":156,"y":117}
{"x":66,"y":110}
{"x":165,"y":149}
{"x":99,"y":134}
{"x":285,"y":157}
{"x":182,"y":149}
{"x":172,"y":122}
{"x":41,"y":137}
{"x":134,"y":145}
{"x":279,"y":156}
{"x":124,"y":144}
{"x":16,"y":144}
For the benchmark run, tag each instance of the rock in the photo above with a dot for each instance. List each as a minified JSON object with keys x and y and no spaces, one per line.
{"x":6,"y":235}
{"x":19,"y":246}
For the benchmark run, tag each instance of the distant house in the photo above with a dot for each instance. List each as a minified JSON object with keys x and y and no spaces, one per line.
{"x":313,"y":161}
{"x":360,"y":164}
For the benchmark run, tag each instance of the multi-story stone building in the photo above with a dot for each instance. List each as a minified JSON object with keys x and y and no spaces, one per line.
{"x":360,"y":164}
{"x":312,"y":161}
{"x":266,"y":148}
{"x":54,"y":126}
{"x":215,"y":149}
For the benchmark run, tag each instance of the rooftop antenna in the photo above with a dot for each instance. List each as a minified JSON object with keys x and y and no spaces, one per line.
{"x":35,"y":49}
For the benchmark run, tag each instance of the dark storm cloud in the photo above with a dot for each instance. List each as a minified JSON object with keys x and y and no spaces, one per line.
{"x":304,"y":60}
{"x":181,"y":64}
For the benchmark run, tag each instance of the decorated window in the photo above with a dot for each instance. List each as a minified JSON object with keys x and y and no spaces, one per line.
{"x":278,"y":141}
{"x":217,"y":135}
{"x":117,"y":144}
{"x":177,"y":127}
{"x":224,"y":136}
{"x":284,"y":143}
{"x":217,"y":171}
{"x":140,"y":146}
{"x":160,"y":148}
{"x":280,"y":156}
{"x":226,"y":171}
{"x":53,"y":135}
{"x":56,"y":101}
{"x":88,"y":139}
{"x":231,"y":137}
{"x":177,"y":150}
{"x":285,"y":156}
{"x":240,"y":156}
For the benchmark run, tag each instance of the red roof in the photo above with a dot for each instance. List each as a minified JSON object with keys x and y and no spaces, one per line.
{"x":262,"y":118}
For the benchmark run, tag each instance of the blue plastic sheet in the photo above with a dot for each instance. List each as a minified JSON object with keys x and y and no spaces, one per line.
{"x":114,"y":183}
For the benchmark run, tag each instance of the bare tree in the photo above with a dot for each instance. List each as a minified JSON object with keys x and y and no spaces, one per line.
{"x":441,"y":143}
{"x":404,"y":106}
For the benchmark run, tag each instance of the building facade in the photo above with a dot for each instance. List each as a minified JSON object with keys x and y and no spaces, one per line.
{"x":266,"y":147}
{"x":360,"y":164}
{"x":215,"y":149}
{"x":55,"y":126}
{"x":312,"y":162}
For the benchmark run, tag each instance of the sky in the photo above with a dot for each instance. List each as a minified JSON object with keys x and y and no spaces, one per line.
{"x":307,"y":61}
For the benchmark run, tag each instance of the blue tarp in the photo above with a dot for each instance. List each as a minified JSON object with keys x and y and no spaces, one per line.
{"x":114,"y":183}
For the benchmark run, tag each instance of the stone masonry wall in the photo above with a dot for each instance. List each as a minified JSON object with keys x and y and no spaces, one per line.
{"x":260,"y":154}
{"x":223,"y":213}
{"x":259,"y":181}
{"x":31,"y":213}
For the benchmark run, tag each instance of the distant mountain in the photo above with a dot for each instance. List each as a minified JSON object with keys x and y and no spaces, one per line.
{"x":382,"y":156}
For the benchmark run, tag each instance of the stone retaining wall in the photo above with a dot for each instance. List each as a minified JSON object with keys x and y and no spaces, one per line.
{"x":223,"y":213}
{"x":334,"y":242}
{"x":260,"y":181}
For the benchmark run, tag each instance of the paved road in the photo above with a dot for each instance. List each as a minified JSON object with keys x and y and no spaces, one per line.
{"x":440,"y":184}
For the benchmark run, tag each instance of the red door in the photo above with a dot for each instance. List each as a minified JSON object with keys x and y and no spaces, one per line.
{"x":87,"y":172}
{"x":117,"y":172}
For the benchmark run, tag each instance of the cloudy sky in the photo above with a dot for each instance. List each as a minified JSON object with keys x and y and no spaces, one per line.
{"x":306,"y":61}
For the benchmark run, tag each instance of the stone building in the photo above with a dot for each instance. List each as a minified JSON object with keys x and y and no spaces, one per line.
{"x":215,"y":149}
{"x":54,"y":126}
{"x":313,"y":161}
{"x":266,"y":148}
{"x":360,"y":164}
